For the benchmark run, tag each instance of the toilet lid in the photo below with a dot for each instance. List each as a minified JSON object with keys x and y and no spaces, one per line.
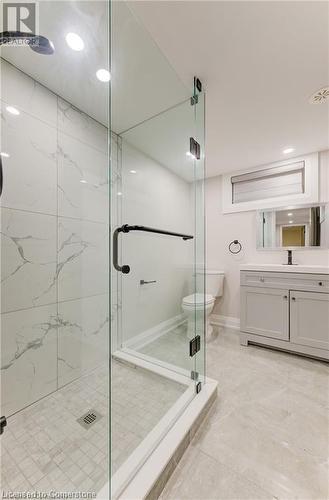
{"x":198,"y":299}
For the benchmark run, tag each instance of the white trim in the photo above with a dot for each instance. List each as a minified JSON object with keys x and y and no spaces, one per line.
{"x":144,"y":338}
{"x":157,"y":364}
{"x":227,"y":321}
{"x":143,"y":481}
{"x":147,"y":363}
{"x":311,"y":194}
{"x":141,"y":454}
{"x":156,"y":450}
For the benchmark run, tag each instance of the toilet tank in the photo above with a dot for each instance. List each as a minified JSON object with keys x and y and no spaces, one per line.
{"x":214,"y":281}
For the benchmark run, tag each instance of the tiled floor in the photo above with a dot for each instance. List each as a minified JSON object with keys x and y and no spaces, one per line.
{"x":267,"y":436}
{"x":139,"y":400}
{"x":44,"y":448}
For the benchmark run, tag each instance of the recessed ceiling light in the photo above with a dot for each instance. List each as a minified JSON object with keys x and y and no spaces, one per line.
{"x":83,"y":181}
{"x":12,"y":110}
{"x":103,"y":75}
{"x":74,"y":41}
{"x":119,"y":193}
{"x":288,"y":150}
{"x":5,"y":155}
{"x":291,"y":221}
{"x":290,"y":214}
{"x":133,"y":171}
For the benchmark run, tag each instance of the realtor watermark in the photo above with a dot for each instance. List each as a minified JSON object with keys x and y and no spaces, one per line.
{"x":19,"y":18}
{"x":52,"y":494}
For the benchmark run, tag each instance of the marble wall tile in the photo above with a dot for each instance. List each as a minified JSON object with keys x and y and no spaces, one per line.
{"x":28,"y":259}
{"x":83,"y":259}
{"x":21,"y":91}
{"x":30,"y":173}
{"x":83,"y":188}
{"x":74,"y":122}
{"x":83,"y":336}
{"x":50,"y":249}
{"x":28,"y":356}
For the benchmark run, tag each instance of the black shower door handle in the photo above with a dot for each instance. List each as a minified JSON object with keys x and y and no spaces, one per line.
{"x":126,"y":229}
{"x":121,"y":269}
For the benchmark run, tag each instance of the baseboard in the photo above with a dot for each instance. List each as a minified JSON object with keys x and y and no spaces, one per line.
{"x":157,"y":331}
{"x":227,"y":321}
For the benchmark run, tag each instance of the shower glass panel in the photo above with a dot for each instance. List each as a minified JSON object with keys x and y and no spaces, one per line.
{"x":157,"y":193}
{"x":157,"y":190}
{"x":55,"y":123}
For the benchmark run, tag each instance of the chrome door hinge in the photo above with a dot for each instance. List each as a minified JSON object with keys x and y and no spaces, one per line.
{"x":197,"y":88}
{"x":195,"y":149}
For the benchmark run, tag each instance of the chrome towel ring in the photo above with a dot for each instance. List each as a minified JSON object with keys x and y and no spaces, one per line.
{"x":237,"y":245}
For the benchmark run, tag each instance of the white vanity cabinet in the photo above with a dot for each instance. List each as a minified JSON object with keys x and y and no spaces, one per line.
{"x":286,"y":310}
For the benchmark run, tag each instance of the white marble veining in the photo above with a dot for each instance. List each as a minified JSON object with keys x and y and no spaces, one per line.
{"x":28,"y":356}
{"x":74,"y":122}
{"x":28,"y":259}
{"x":283,"y":268}
{"x":30,"y":172}
{"x":83,"y":336}
{"x":83,"y":259}
{"x":82,"y":180}
{"x":267,"y":434}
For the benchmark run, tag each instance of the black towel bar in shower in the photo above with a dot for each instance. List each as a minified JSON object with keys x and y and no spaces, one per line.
{"x":126,"y":229}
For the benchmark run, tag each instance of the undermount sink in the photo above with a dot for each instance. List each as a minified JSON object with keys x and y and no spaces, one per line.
{"x":295,"y":268}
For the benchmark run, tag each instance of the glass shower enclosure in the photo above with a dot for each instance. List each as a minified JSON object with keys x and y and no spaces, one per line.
{"x":102,"y":250}
{"x":158,"y":252}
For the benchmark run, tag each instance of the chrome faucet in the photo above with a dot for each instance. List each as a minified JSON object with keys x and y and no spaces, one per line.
{"x":289,"y":263}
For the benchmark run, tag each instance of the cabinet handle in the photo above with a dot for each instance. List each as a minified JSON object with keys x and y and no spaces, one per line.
{"x":320,"y":283}
{"x":285,"y":297}
{"x":293,"y":298}
{"x":262,"y":279}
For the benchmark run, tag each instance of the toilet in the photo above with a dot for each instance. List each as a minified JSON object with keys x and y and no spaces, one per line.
{"x":193,"y":305}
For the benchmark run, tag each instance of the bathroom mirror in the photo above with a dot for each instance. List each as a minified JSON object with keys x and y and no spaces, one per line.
{"x":293,"y":227}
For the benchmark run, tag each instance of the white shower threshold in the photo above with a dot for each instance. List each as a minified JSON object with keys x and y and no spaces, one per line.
{"x":153,"y":461}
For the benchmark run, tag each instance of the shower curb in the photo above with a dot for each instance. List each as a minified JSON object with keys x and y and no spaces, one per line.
{"x":156,"y":471}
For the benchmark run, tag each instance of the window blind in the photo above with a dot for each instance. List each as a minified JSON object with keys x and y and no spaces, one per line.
{"x":269,"y":183}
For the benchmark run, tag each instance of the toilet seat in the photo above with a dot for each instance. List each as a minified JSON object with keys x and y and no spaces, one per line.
{"x":198,"y":299}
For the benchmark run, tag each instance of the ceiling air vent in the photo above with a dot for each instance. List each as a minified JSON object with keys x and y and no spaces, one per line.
{"x":320,"y":96}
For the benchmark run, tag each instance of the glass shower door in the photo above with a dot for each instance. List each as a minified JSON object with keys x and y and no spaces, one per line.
{"x":161,"y":189}
{"x":158,"y":273}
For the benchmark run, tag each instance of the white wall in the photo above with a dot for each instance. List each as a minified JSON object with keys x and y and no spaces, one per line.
{"x":222,"y":229}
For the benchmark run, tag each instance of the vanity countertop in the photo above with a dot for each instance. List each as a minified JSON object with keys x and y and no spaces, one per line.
{"x":282,"y":268}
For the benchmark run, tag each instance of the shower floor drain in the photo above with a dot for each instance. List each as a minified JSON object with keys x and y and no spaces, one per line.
{"x":89,"y":419}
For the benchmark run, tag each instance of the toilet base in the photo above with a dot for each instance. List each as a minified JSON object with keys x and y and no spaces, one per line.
{"x":195,"y":326}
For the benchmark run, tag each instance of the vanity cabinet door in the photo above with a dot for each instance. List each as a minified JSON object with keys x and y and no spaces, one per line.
{"x":265,"y":312}
{"x":309,"y":319}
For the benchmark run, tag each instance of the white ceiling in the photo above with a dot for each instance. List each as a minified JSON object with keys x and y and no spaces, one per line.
{"x":259,"y":63}
{"x":70,"y":74}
